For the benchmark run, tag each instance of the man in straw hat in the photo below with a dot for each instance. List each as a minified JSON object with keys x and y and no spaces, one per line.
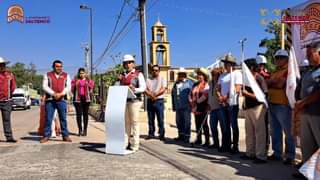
{"x":180,"y":103}
{"x":228,"y":89}
{"x":8,"y":85}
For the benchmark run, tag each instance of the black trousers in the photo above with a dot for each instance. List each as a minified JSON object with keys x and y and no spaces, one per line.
{"x":6,"y":108}
{"x":82,"y":109}
{"x":199,"y":119}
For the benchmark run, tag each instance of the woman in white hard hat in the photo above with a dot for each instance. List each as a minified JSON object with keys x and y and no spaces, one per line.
{"x":136,"y":82}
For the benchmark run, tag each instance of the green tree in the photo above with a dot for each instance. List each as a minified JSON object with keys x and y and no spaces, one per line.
{"x":271,"y":44}
{"x":27,"y":75}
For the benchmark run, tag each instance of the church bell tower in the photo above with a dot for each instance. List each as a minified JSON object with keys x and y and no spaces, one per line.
{"x":159,"y":46}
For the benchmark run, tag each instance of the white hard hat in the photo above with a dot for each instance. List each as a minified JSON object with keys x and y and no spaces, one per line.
{"x":281,"y":52}
{"x":128,"y":57}
{"x":260,"y":59}
{"x":2,"y":60}
{"x":305,"y":63}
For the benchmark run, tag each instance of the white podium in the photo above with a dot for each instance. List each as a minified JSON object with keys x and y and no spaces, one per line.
{"x":115,"y":120}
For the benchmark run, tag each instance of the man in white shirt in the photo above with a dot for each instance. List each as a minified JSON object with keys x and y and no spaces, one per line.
{"x":229,"y":86}
{"x":56,"y":84}
{"x":156,"y":86}
{"x":136,"y":82}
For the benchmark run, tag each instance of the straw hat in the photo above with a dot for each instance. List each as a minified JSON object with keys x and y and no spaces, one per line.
{"x":203,"y":71}
{"x":229,"y":58}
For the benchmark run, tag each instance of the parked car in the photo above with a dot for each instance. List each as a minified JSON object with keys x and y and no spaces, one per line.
{"x":35,"y":102}
{"x":21,"y":99}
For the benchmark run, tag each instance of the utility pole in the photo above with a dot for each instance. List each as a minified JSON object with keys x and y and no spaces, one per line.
{"x":85,"y":7}
{"x":91,"y":61}
{"x":242,"y":48}
{"x":142,"y":14}
{"x":86,"y":49}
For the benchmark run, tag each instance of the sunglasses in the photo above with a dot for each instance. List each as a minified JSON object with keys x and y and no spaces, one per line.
{"x":128,"y":62}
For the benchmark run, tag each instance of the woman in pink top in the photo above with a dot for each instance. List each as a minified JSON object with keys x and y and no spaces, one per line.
{"x":82,"y":88}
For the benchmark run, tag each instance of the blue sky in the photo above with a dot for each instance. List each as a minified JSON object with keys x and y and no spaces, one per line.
{"x":199,"y":30}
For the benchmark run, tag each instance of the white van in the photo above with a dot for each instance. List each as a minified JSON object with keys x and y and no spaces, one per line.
{"x":21,"y":99}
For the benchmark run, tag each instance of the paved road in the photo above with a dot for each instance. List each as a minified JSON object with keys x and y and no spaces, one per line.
{"x":80,"y":161}
{"x":84,"y":158}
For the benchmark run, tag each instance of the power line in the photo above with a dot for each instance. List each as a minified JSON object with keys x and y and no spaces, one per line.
{"x":117,"y":22}
{"x":114,"y":30}
{"x":116,"y":38}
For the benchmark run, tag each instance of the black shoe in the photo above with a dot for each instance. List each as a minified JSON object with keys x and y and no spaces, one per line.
{"x":214,"y":146}
{"x":80,"y":133}
{"x":198,"y":142}
{"x":246,"y":157}
{"x":259,"y":161}
{"x":149,"y":137}
{"x":84,"y":133}
{"x":274,"y":158}
{"x":206,"y":144}
{"x":234,"y":151}
{"x":298,"y":175}
{"x":129,"y":147}
{"x":186,"y":139}
{"x":11,"y":140}
{"x":288,"y":161}
{"x":162,"y":138}
{"x":298,"y":165}
{"x":179,"y":138}
{"x":223,"y":149}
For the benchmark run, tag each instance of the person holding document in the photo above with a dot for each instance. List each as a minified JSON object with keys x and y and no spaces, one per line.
{"x":136,"y":83}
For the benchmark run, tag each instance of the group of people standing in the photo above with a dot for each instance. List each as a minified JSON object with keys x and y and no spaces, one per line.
{"x":209,"y":99}
{"x":221,"y":97}
{"x":57,"y":85}
{"x":217,"y":96}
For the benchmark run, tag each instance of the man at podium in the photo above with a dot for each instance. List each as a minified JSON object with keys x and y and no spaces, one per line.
{"x":136,"y":82}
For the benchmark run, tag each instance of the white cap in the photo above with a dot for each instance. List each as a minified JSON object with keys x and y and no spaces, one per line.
{"x":128,"y":57}
{"x":2,"y":60}
{"x":281,"y":52}
{"x":305,"y":62}
{"x":260,"y":59}
{"x":182,"y":70}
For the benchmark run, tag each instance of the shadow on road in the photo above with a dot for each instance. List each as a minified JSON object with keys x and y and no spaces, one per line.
{"x":34,"y":136}
{"x":271,"y":170}
{"x":93,"y":147}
